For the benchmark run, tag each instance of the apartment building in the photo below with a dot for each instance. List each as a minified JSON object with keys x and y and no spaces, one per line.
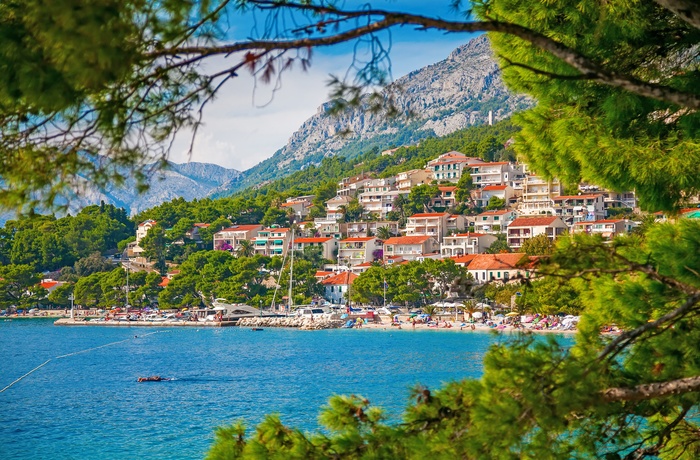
{"x":495,"y":173}
{"x":524,"y":228}
{"x":494,"y":221}
{"x":538,"y":194}
{"x":446,"y":198}
{"x":336,"y":287}
{"x":483,"y":195}
{"x":361,"y":229}
{"x":349,"y":186}
{"x":272,"y":241}
{"x":578,"y":208}
{"x":301,"y":205}
{"x":330,"y":228}
{"x":141,"y":232}
{"x":228,"y":239}
{"x":429,"y":224}
{"x":449,"y":166}
{"x":379,"y":196}
{"x":406,"y":180}
{"x":353,"y":251}
{"x":410,"y":247}
{"x":466,"y":243}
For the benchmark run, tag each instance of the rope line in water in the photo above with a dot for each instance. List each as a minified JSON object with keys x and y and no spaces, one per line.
{"x":72,"y":354}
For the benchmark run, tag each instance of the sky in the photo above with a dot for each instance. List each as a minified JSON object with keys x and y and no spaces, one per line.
{"x":248,"y":122}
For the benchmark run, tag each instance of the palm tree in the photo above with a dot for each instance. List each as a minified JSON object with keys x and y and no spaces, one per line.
{"x":469,"y":307}
{"x":429,"y":309}
{"x":245,"y":249}
{"x":383,"y":233}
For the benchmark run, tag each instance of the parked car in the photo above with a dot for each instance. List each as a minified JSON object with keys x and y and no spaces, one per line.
{"x":312,"y":313}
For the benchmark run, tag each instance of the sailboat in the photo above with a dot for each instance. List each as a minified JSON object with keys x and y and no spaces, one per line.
{"x":290,"y":299}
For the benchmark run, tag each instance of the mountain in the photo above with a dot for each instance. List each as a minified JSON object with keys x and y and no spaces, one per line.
{"x":441,"y":98}
{"x":187,"y":180}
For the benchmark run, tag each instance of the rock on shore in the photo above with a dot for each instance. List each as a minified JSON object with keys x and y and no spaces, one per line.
{"x":307,"y":324}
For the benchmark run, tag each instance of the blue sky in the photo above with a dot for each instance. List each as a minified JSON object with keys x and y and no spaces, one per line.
{"x":248,"y":122}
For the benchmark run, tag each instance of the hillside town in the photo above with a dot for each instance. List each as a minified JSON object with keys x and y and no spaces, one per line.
{"x":504,"y":205}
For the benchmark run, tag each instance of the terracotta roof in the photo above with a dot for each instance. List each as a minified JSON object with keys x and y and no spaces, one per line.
{"x":532,"y":221}
{"x":363,"y":264}
{"x":497,"y":261}
{"x":417,"y":239}
{"x":202,"y":225}
{"x":463,"y":259}
{"x":575,"y":197}
{"x":270,"y":229}
{"x":357,"y":239}
{"x":344,"y":278}
{"x":494,"y":187}
{"x":48,"y":284}
{"x":323,"y":274}
{"x":311,"y":240}
{"x":429,"y":214}
{"x":164,"y":281}
{"x":241,"y":228}
{"x":468,"y":234}
{"x":445,"y":188}
{"x":292,"y":203}
{"x":145,"y":222}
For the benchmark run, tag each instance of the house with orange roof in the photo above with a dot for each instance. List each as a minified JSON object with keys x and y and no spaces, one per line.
{"x":578,"y":208}
{"x":428,"y":224}
{"x":449,"y":166}
{"x":608,"y":228}
{"x":349,"y":186}
{"x":463,"y":260}
{"x":494,"y":221}
{"x":300,"y":205}
{"x":483,"y":195}
{"x":495,"y":173}
{"x":466,"y":243}
{"x":410,"y":247}
{"x":378,"y":196}
{"x":329,"y":246}
{"x":354,"y":251}
{"x":336,"y":287}
{"x":228,"y":239}
{"x":524,"y":228}
{"x":331,"y":228}
{"x":500,"y":267}
{"x":50,"y":284}
{"x":323,"y":274}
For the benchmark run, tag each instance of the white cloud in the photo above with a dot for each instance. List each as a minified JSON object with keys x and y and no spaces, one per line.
{"x":247,"y":124}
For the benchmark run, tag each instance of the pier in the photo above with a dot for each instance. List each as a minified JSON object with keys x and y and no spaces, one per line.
{"x":81,"y":322}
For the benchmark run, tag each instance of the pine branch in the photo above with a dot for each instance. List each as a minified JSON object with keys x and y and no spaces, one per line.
{"x":589,"y":69}
{"x":652,"y":390}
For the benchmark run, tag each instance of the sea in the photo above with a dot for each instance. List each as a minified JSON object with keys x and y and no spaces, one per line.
{"x":85,"y":402}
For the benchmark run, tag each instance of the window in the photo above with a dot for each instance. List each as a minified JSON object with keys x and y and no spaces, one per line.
{"x":495,"y":217}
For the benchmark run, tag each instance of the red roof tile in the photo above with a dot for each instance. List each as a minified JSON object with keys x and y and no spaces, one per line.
{"x":311,"y":240}
{"x":494,"y":187}
{"x":344,"y":278}
{"x":497,"y":261}
{"x":463,"y":259}
{"x":532,"y":221}
{"x":48,"y":284}
{"x":468,"y":235}
{"x":241,"y":228}
{"x":164,"y":281}
{"x":417,"y":239}
{"x":494,"y":213}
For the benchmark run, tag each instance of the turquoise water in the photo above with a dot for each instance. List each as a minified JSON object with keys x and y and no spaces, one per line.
{"x":90,"y":406}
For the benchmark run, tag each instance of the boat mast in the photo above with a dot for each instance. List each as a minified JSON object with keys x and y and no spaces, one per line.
{"x":291,"y":270}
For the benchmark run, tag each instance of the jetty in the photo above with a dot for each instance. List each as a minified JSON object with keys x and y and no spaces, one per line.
{"x":199,"y":324}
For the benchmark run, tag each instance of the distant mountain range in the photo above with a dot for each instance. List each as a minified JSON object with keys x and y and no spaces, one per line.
{"x":188,"y":180}
{"x":452,"y":94}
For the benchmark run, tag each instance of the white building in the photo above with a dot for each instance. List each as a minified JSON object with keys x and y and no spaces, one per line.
{"x":228,"y":239}
{"x":466,"y":243}
{"x":410,"y":247}
{"x":524,"y":228}
{"x":429,"y":224}
{"x":495,"y":173}
{"x":353,"y":251}
{"x":449,"y":166}
{"x":329,"y":246}
{"x":494,"y":221}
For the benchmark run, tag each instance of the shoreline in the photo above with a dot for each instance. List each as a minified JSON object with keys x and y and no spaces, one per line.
{"x":478,"y":327}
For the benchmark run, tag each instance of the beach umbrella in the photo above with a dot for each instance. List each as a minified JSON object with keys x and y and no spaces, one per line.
{"x":499,"y":316}
{"x":513,"y":314}
{"x":477,"y":314}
